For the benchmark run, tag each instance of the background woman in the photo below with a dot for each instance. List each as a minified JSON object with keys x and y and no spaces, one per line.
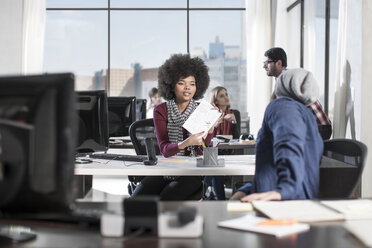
{"x":229,"y":124}
{"x":155,"y":100}
{"x":182,"y":80}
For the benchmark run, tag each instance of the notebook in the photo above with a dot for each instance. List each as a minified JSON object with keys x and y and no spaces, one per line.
{"x":313,"y":211}
{"x":352,"y":209}
{"x":302,"y":210}
{"x":361,"y":229}
{"x":250,"y":223}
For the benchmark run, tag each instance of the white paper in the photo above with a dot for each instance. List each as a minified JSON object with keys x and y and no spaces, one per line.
{"x":352,"y":209}
{"x":361,"y":229}
{"x":301,"y":210}
{"x":202,"y":119}
{"x":250,"y":223}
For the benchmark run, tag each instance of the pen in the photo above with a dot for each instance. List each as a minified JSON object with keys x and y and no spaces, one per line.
{"x":277,"y":222}
{"x":173,"y":159}
{"x":202,"y":143}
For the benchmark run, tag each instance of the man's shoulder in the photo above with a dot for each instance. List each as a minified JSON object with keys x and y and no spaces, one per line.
{"x":284,"y":104}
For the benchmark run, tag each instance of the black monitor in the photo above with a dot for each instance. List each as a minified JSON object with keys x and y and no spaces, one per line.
{"x":37,"y":143}
{"x":122,"y":113}
{"x":141,"y":109}
{"x":93,"y":121}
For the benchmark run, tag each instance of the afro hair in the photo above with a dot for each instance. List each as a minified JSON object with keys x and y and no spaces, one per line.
{"x":181,"y":66}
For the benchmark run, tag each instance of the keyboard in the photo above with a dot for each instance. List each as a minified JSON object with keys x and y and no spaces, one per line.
{"x":120,"y":157}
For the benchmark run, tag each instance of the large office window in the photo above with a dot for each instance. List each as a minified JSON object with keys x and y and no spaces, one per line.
{"x":219,"y":38}
{"x":76,"y":41}
{"x":119,"y":45}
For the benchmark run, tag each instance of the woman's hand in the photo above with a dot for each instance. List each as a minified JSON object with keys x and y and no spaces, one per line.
{"x":231,"y":118}
{"x":266,"y":196}
{"x":193,"y":140}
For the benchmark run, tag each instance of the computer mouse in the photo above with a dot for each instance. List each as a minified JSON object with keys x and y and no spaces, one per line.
{"x":15,"y":234}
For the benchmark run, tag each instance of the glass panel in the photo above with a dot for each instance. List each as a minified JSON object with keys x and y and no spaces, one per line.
{"x":148,"y":4}
{"x":333,"y":35}
{"x":217,"y":4}
{"x":219,"y":38}
{"x":76,"y":41}
{"x":76,"y":4}
{"x":319,"y":28}
{"x":138,"y":50}
{"x":320,"y":50}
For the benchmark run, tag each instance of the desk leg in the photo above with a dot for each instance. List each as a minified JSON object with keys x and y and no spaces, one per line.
{"x":84,"y":184}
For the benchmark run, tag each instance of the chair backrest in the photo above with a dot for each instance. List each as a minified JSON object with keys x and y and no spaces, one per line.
{"x":139,"y":131}
{"x":340,"y":181}
{"x":140,"y":109}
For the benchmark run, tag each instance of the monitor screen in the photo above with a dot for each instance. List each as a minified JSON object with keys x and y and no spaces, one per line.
{"x":37,"y":141}
{"x":122,"y":113}
{"x":93,"y":121}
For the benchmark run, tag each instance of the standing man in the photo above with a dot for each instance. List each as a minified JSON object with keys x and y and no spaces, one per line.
{"x":275,"y":63}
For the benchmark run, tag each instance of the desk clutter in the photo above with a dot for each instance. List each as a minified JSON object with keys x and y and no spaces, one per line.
{"x":253,"y":223}
{"x":141,"y":217}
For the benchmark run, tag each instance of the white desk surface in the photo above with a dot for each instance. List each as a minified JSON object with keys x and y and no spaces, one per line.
{"x":234,"y":165}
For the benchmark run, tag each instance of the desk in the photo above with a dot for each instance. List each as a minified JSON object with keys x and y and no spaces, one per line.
{"x":234,"y":165}
{"x":248,"y":148}
{"x":326,"y":234}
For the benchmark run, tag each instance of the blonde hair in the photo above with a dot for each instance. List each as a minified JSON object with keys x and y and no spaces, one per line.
{"x":214,"y":94}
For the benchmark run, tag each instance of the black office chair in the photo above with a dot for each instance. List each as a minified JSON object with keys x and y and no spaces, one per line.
{"x":138,"y":132}
{"x":141,"y":109}
{"x":342,"y":180}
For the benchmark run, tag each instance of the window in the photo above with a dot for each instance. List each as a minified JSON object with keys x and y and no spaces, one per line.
{"x":120,"y":48}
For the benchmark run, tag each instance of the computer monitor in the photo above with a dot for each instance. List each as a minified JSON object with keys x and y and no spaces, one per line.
{"x":93,"y":121}
{"x":122,"y":113}
{"x":141,"y":109}
{"x":37,"y":143}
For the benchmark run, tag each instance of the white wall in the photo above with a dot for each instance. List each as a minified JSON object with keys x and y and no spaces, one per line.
{"x":22,"y":27}
{"x":366,"y":105}
{"x":11,"y":36}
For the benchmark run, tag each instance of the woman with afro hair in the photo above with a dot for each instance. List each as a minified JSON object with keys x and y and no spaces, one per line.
{"x":182,"y":80}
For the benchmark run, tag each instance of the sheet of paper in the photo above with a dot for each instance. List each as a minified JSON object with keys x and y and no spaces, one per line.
{"x":250,"y":223}
{"x":352,"y":209}
{"x":202,"y":119}
{"x":361,"y":229}
{"x":302,"y":210}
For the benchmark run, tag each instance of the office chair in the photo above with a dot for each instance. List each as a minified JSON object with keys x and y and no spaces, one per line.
{"x":141,"y":109}
{"x":138,"y":132}
{"x":342,"y":180}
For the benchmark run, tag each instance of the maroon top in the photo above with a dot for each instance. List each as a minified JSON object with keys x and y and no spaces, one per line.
{"x":167,"y":148}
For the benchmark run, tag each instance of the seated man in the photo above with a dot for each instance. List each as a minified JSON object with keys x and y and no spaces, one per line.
{"x":288,"y":146}
{"x":275,"y":64}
